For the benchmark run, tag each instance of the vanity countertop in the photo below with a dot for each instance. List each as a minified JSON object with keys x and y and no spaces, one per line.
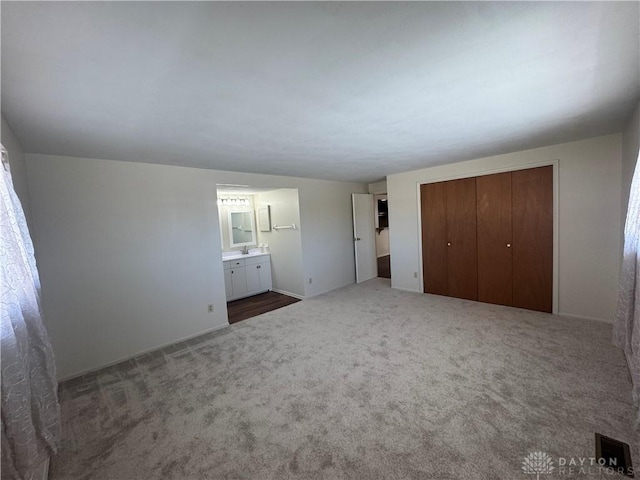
{"x":236,"y":255}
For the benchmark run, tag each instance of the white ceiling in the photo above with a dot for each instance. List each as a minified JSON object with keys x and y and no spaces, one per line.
{"x":348,"y":91}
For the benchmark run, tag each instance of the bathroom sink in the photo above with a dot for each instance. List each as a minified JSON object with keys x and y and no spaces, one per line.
{"x":235,"y":255}
{"x":231,"y":255}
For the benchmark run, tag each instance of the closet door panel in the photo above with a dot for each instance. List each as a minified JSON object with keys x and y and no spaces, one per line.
{"x":434,"y":238}
{"x":533,"y":238}
{"x":495,"y":262}
{"x":462,"y":254}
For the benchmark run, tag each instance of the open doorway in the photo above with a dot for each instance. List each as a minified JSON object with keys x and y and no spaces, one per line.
{"x":371,"y":234}
{"x":383,"y":252}
{"x":261,"y":248}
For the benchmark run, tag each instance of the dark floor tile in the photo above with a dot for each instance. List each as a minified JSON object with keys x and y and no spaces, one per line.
{"x":249,"y":307}
{"x":384,"y":266}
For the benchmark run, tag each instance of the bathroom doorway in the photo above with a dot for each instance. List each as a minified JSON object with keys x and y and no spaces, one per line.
{"x":260,"y":230}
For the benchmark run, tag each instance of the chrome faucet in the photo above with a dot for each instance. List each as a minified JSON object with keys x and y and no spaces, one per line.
{"x":245,"y":250}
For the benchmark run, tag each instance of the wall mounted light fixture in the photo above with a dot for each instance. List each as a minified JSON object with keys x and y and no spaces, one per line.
{"x":233,"y":201}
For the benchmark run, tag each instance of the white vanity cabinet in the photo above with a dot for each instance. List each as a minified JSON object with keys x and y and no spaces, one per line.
{"x":228,"y":284}
{"x":235,"y":280}
{"x":258,"y":271}
{"x":247,"y":276}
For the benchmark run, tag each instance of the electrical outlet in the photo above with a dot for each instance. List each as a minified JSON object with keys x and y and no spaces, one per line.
{"x":310,"y":280}
{"x":415,"y":274}
{"x":211,"y":308}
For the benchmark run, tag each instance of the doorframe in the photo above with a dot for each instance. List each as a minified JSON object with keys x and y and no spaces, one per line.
{"x":489,"y":171}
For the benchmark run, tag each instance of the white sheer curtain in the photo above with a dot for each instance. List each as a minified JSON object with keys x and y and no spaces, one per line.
{"x":30,"y":410}
{"x":626,"y":325}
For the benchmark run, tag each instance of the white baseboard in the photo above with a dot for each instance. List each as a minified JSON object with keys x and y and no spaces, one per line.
{"x":567,"y":315}
{"x":329,"y":290}
{"x":582,"y":317}
{"x":148,"y":350}
{"x":406,"y":289}
{"x":284,"y":292}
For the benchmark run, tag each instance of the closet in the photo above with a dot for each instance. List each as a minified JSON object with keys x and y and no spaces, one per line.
{"x":490,"y":238}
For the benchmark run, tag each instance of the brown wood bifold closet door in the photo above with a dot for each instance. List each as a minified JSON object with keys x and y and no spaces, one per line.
{"x":434,"y":238}
{"x":490,"y":238}
{"x":462,"y":245}
{"x":532,"y":200}
{"x":495,"y":261}
{"x":449,"y":244}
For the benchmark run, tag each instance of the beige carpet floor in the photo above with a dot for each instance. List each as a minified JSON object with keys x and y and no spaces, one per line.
{"x":362,"y":383}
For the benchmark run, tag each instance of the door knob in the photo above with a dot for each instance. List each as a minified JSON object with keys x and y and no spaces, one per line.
{"x":357,"y":239}
{"x":448,"y":244}
{"x":508,"y":245}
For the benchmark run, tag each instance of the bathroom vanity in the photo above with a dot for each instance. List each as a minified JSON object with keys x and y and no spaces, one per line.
{"x":246,"y":275}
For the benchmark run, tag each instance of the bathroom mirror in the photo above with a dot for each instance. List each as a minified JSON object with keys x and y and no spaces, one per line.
{"x":241,"y":229}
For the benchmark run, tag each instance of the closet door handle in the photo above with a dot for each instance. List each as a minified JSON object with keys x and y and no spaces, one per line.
{"x":258,"y":266}
{"x":508,"y":245}
{"x":448,"y":244}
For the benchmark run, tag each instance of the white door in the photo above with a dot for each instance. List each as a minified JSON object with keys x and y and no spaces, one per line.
{"x":364,"y":236}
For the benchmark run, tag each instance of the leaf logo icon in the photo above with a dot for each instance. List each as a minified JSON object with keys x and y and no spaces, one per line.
{"x":537,"y":463}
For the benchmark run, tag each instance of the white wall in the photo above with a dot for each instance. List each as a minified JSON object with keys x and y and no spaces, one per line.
{"x":589,"y":219}
{"x":18,"y":167}
{"x":287,"y":269}
{"x":130,"y":253}
{"x":129,"y":256}
{"x":326,"y":222}
{"x":378,"y":187}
